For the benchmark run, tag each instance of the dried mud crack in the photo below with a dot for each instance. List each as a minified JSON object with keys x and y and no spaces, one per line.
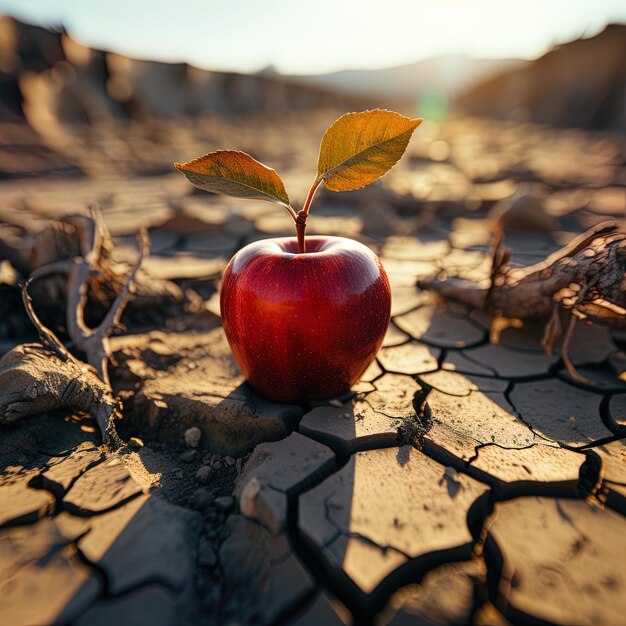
{"x":460,"y":482}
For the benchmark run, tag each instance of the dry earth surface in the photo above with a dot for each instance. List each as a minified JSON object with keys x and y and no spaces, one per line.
{"x":459,"y":482}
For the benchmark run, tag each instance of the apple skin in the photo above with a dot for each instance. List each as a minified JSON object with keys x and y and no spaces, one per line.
{"x":304,"y":326}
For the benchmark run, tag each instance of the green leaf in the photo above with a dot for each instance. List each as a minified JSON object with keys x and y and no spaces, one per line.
{"x":237,"y":174}
{"x":360,"y":147}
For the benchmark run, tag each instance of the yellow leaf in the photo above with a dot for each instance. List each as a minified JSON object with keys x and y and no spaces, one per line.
{"x":360,"y":147}
{"x":237,"y":174}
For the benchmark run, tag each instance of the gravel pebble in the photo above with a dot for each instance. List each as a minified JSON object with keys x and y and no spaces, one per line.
{"x":192,"y":437}
{"x":188,"y":456}
{"x":135,"y":443}
{"x":229,"y":460}
{"x":201,"y":498}
{"x":225,"y":504}
{"x":203,"y":475}
{"x":206,"y":553}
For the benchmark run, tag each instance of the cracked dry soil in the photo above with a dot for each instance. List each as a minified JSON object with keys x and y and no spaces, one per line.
{"x":460,"y":483}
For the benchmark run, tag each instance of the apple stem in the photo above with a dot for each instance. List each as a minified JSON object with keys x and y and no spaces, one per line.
{"x":302,"y":215}
{"x":300,"y":228}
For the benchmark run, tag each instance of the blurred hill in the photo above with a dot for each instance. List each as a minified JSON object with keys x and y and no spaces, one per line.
{"x":46,"y":76}
{"x":578,"y":84}
{"x":48,"y":79}
{"x":445,"y":75}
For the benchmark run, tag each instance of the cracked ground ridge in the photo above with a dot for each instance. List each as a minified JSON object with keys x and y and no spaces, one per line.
{"x":412,"y":412}
{"x":554,"y":474}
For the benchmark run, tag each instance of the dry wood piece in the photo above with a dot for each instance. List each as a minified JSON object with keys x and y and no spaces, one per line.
{"x":36,"y":378}
{"x":49,"y":254}
{"x":586,"y":278}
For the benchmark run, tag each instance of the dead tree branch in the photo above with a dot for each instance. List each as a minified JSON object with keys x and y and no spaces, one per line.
{"x":39,"y":378}
{"x":586,"y":278}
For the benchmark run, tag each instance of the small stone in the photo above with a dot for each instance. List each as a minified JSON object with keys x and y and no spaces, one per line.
{"x":335,"y":402}
{"x":217,"y":465}
{"x":225,"y":504}
{"x":203,"y":475}
{"x":206,"y":553}
{"x":192,"y":437}
{"x":135,"y":443}
{"x":201,"y":498}
{"x":229,"y":460}
{"x":188,"y":456}
{"x":248,"y":495}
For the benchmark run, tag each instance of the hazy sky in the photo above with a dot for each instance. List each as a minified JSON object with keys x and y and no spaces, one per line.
{"x":320,"y":35}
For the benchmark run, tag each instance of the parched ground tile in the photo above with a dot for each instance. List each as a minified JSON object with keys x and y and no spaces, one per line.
{"x":591,"y":344}
{"x":455,"y":384}
{"x":263,"y":579}
{"x":444,"y":597}
{"x":385,"y":507}
{"x":150,"y":604}
{"x":436,"y":326}
{"x":412,"y":249}
{"x":537,"y":463}
{"x":613,"y":457}
{"x":404,"y":274}
{"x":273,"y":471}
{"x":101,"y":488}
{"x":405,"y":299}
{"x":395,"y":396}
{"x":457,"y":361}
{"x":560,"y":411}
{"x":42,"y":578}
{"x":409,"y":358}
{"x":460,"y":424}
{"x":203,"y":387}
{"x":324,"y":610}
{"x":353,"y":426}
{"x":394,"y":336}
{"x":511,"y":363}
{"x":61,"y":472}
{"x":362,"y":424}
{"x":21,"y":504}
{"x":554,"y":561}
{"x":147,"y":540}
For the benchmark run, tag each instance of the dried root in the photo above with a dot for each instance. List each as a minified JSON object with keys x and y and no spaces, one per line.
{"x":49,"y":255}
{"x":37,"y":378}
{"x":586,"y":278}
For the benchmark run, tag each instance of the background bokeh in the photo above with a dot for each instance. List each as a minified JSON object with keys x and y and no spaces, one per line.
{"x":524,"y":107}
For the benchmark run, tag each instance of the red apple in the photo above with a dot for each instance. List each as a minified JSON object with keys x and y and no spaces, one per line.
{"x":304,"y":325}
